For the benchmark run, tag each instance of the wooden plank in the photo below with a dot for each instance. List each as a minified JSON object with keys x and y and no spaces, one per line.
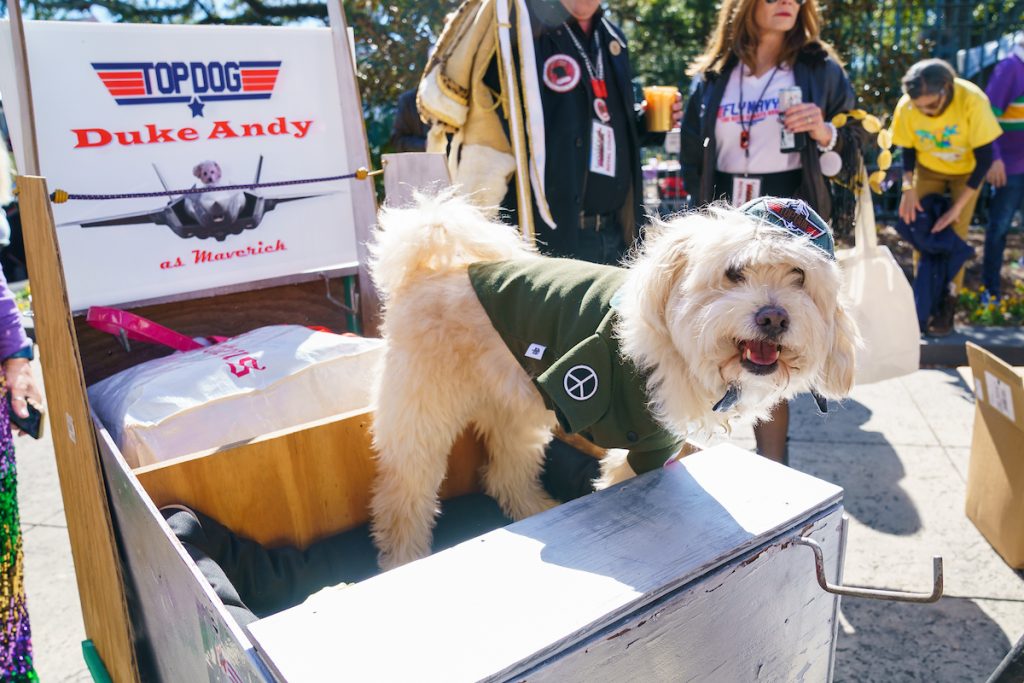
{"x":506,"y":601}
{"x":357,"y":147}
{"x":26,"y":113}
{"x":760,"y":617}
{"x":251,"y":286}
{"x":226,"y":315}
{"x":295,"y":486}
{"x":93,"y":545}
{"x":408,"y":172}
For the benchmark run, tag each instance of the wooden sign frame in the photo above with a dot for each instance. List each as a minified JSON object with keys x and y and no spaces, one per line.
{"x":361,"y":193}
{"x":64,"y":340}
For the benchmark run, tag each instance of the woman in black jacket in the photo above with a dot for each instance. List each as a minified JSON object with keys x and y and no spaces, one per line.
{"x":733,"y":129}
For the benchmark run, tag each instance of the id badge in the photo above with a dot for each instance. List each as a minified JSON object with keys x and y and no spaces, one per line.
{"x":602,"y":149}
{"x":744,"y":189}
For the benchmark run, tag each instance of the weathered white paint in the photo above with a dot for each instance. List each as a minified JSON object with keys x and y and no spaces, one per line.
{"x":173,"y":603}
{"x":761,"y":617}
{"x":497,"y":606}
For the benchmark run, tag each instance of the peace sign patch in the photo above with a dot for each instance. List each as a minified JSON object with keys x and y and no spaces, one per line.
{"x":580,"y":382}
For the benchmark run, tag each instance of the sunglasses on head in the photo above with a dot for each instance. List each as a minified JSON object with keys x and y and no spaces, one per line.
{"x":798,"y":2}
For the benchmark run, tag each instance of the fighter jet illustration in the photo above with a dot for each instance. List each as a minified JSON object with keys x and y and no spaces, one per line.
{"x":215,"y":214}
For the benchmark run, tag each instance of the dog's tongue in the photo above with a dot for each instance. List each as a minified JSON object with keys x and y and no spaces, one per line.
{"x":762,"y":352}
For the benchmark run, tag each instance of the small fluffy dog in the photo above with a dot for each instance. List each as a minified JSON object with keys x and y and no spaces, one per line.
{"x":208,"y":172}
{"x":214,"y":207}
{"x":719,"y":315}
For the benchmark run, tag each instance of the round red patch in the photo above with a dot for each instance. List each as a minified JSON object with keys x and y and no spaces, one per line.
{"x":561,"y":73}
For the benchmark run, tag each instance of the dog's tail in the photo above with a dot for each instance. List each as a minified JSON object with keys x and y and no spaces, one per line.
{"x":439,"y":233}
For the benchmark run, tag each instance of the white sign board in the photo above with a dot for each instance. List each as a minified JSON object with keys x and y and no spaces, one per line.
{"x":123,"y":108}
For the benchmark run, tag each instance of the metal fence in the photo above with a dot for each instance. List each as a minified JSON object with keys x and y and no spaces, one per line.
{"x":881,"y":39}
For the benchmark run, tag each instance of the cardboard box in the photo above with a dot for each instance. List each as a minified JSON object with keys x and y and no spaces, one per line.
{"x":995,"y":477}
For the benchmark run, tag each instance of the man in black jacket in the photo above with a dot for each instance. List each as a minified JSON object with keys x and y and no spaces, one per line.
{"x":593,"y":132}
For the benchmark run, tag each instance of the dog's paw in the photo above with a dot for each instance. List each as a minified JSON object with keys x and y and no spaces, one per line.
{"x":399,"y":542}
{"x":525,"y":504}
{"x":614,"y":468}
{"x":389,"y":560}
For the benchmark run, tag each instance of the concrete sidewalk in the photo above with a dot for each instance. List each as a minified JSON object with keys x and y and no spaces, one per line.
{"x":899,"y":449}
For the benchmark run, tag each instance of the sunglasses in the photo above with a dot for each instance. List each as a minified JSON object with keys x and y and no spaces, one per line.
{"x":799,"y":3}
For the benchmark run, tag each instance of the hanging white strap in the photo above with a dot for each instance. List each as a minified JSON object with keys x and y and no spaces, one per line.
{"x":865,"y":232}
{"x":517,"y":134}
{"x":533,"y":111}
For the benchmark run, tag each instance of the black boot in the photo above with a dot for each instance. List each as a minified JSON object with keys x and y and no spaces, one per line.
{"x":941,"y":324}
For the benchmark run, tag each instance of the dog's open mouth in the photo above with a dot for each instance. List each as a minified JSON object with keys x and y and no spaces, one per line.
{"x":760,"y":356}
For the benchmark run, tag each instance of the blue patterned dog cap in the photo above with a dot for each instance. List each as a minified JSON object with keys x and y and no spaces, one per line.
{"x":795,"y":216}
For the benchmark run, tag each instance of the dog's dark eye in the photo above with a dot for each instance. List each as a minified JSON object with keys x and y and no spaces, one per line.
{"x":800,"y":277}
{"x":735,"y":275}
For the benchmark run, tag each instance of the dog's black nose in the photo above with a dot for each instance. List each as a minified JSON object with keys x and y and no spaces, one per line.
{"x":772,"y":321}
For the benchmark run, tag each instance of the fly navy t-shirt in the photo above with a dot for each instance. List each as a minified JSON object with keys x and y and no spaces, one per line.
{"x":760,"y":115}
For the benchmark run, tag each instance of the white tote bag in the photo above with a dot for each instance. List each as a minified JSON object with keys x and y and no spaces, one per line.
{"x":881,"y":301}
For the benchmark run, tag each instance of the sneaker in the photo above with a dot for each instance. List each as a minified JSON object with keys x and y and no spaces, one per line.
{"x":941,"y":324}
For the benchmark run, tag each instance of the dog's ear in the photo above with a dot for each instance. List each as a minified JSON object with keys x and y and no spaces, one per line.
{"x":663,"y":263}
{"x":197,"y":170}
{"x":837,"y":374}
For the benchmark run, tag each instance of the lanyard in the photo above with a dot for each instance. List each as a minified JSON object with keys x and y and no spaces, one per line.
{"x":597,"y":82}
{"x":745,"y":128}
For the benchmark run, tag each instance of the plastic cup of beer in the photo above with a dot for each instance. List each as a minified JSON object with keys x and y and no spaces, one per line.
{"x":660,"y":99}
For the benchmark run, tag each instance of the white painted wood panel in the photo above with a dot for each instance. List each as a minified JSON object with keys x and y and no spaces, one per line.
{"x":761,"y":617}
{"x":499,"y":604}
{"x":182,"y":628}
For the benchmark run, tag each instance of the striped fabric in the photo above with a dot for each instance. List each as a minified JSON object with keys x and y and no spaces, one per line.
{"x":1012,"y":118}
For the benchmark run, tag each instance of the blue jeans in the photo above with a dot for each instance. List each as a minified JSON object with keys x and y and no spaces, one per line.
{"x":1005,"y":202}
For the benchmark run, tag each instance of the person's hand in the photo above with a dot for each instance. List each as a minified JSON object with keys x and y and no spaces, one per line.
{"x":996,"y":175}
{"x":677,"y":110}
{"x":950,"y":217}
{"x":807,"y":117}
{"x":909,"y":205}
{"x":947,"y":219}
{"x":21,"y":385}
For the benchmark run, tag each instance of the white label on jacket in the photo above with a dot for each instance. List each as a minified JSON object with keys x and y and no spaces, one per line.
{"x":535,"y":351}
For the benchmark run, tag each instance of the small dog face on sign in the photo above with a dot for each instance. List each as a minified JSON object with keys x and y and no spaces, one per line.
{"x":208,"y":172}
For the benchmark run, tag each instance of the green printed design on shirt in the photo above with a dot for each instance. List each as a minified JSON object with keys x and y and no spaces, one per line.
{"x":943,"y":142}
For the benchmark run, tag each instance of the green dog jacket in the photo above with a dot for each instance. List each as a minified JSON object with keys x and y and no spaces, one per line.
{"x":557,"y":317}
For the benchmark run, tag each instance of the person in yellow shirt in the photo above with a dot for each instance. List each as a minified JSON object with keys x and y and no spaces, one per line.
{"x":946,"y":127}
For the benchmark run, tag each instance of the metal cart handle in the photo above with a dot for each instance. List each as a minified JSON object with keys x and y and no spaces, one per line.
{"x":876,"y":593}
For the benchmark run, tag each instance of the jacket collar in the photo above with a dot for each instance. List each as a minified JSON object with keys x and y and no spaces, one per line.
{"x":813,"y":54}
